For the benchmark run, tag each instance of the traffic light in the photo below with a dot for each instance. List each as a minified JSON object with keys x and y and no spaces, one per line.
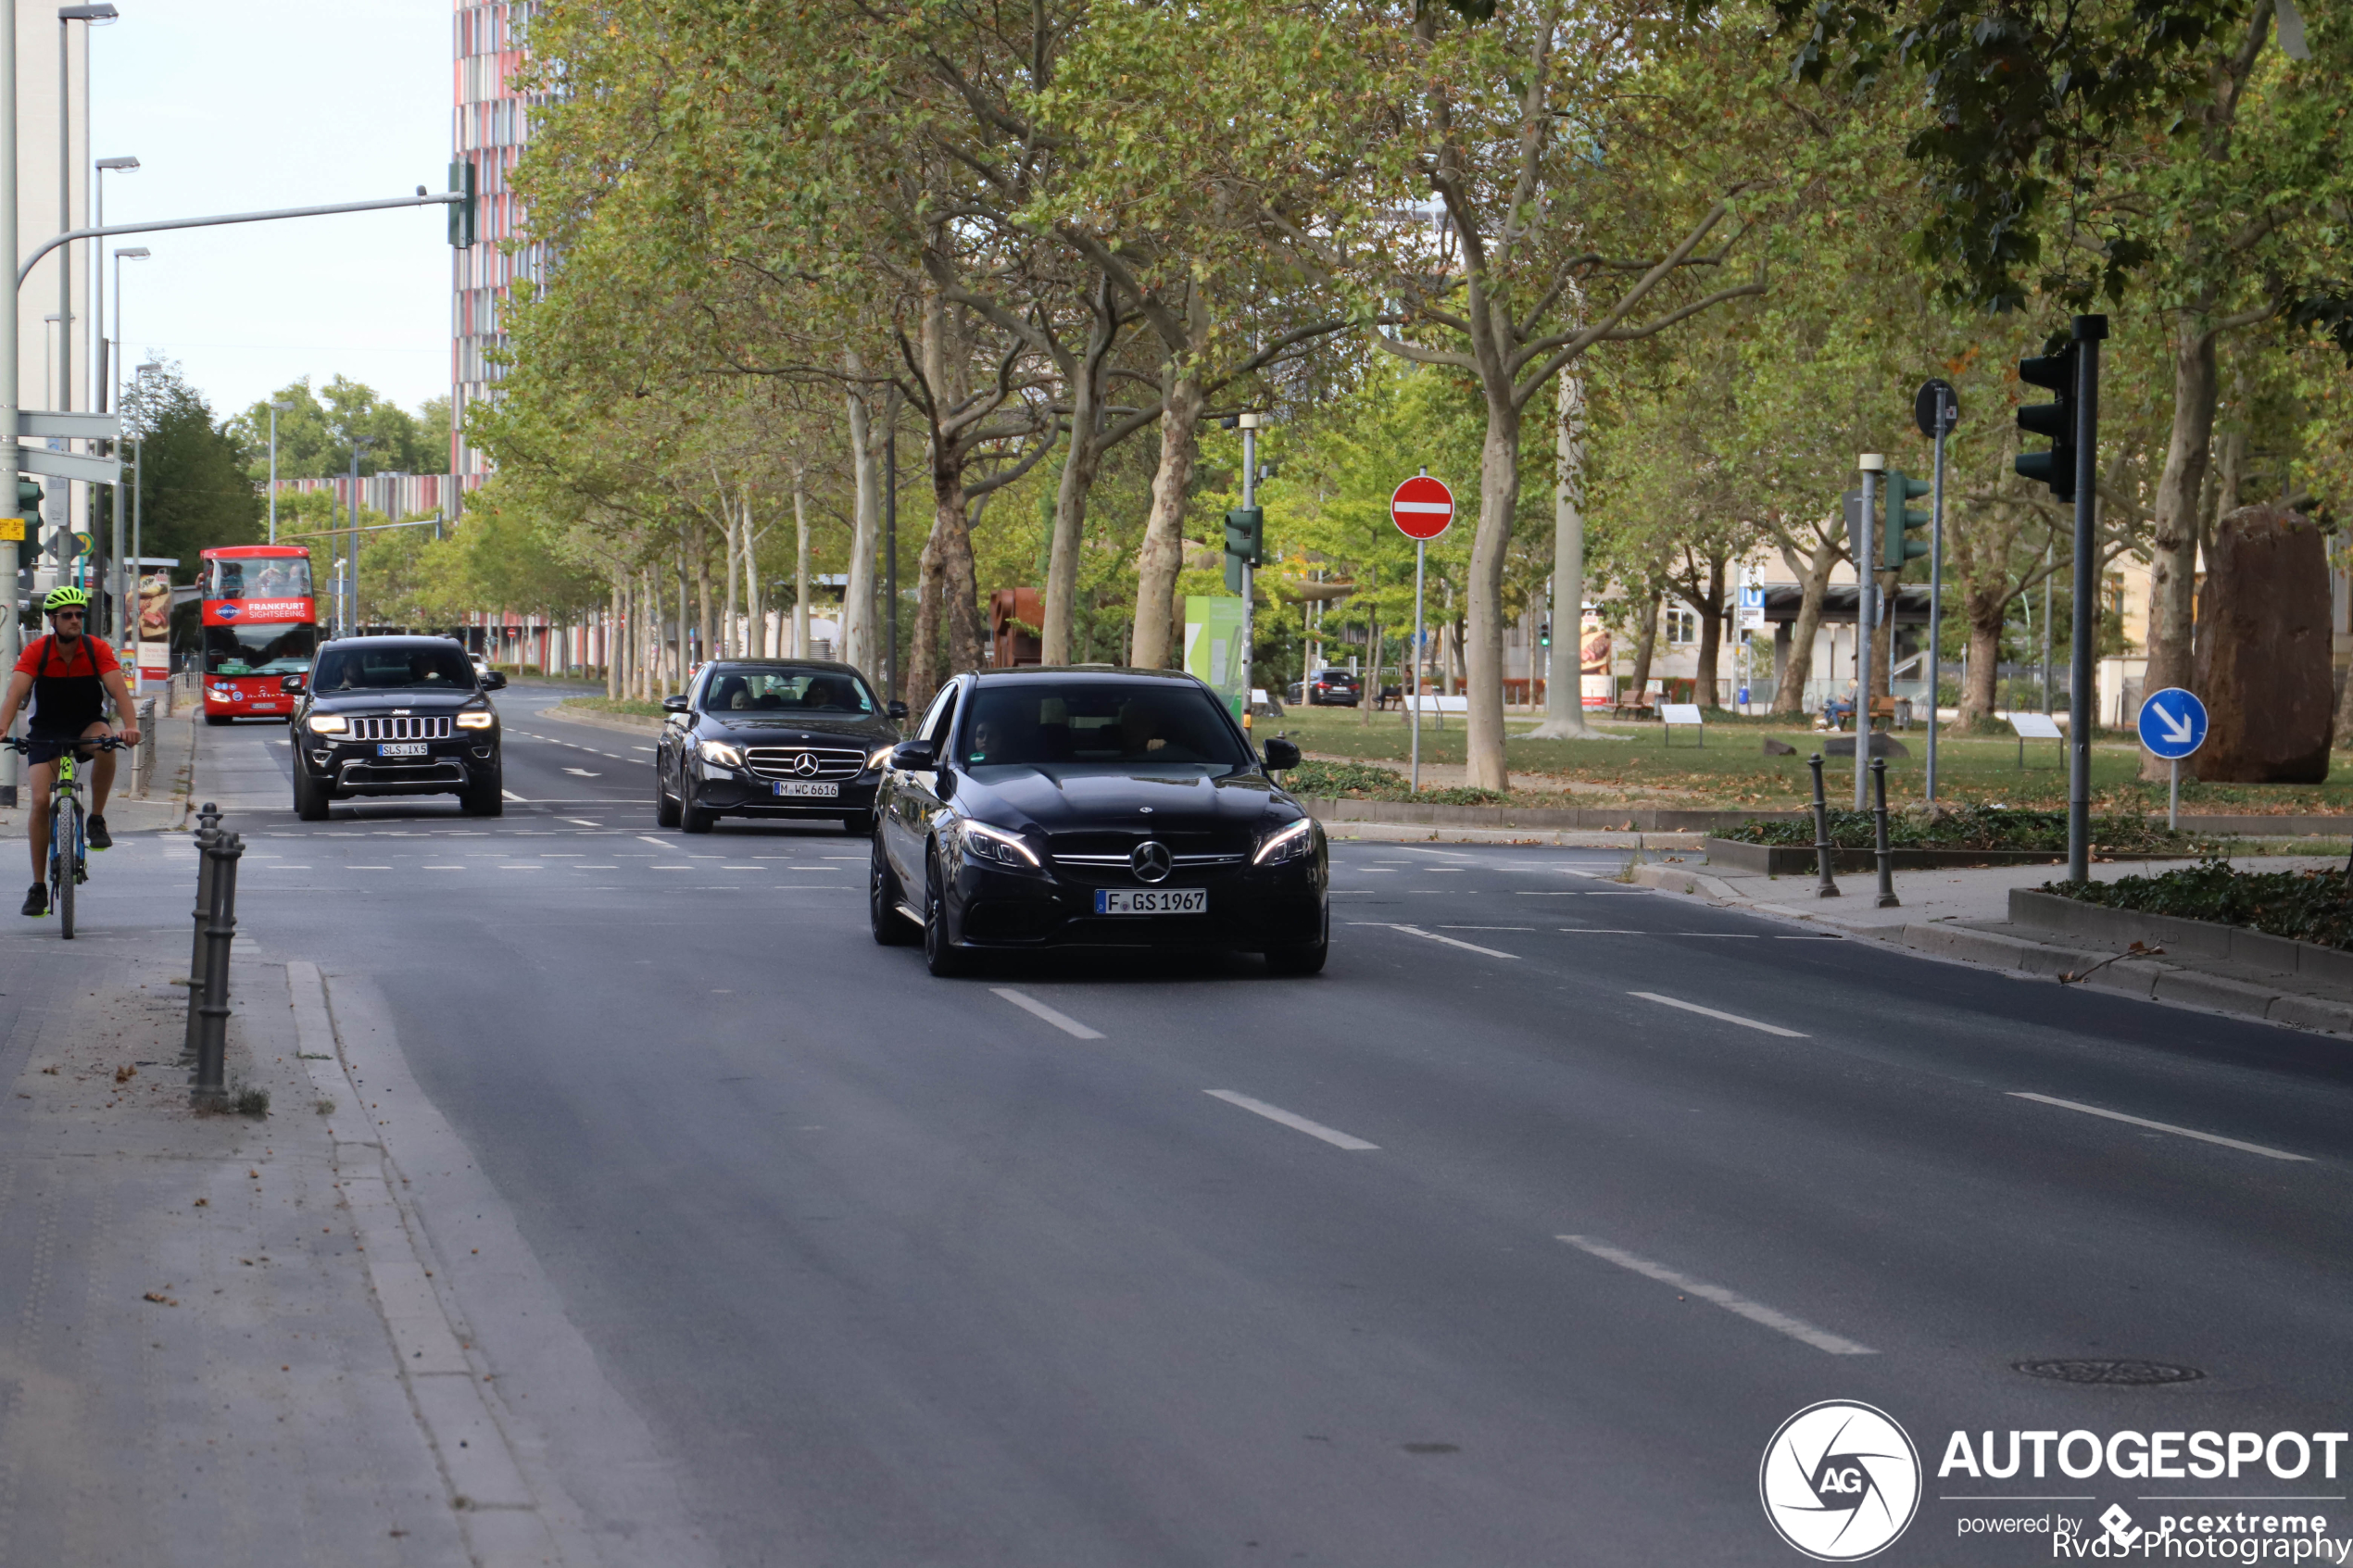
{"x":2055,"y":468}
{"x":29,"y":497}
{"x":1895,"y":546}
{"x":1245,"y":543}
{"x":462,"y":212}
{"x":1544,"y":633}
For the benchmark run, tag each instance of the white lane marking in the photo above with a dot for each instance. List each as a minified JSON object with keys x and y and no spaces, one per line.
{"x":441,"y":867}
{"x":1445,"y":854}
{"x":1433,"y":937}
{"x":1604,"y":930}
{"x":641,"y":749}
{"x":510,"y":794}
{"x":1486,"y":928}
{"x":659,"y":843}
{"x":1732,"y":1301}
{"x":583,"y":773}
{"x":367,"y":868}
{"x":1547,"y":893}
{"x":1061,"y":1020}
{"x":580,"y":822}
{"x":2162,"y":1127}
{"x":1331,"y":1136}
{"x":1726,"y":936}
{"x":1726,"y":1017}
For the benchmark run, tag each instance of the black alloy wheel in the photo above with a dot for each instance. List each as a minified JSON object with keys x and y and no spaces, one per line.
{"x":1306,"y":957}
{"x":892,"y":929}
{"x":488,"y":798}
{"x":691,"y":817}
{"x":310,"y":794}
{"x":944,"y":961}
{"x":665,"y":807}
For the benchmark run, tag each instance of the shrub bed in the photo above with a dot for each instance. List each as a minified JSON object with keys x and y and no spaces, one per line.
{"x":1974,"y":827}
{"x":2304,"y":905}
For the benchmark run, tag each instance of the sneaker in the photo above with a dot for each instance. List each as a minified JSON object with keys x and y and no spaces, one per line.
{"x":97,"y":835}
{"x":37,"y":901}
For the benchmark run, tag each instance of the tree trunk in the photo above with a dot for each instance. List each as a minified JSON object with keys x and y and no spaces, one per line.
{"x":1813,"y":577}
{"x":731,"y":642}
{"x":1079,"y":467}
{"x":1564,"y":684}
{"x":861,"y":644}
{"x":1498,"y":502}
{"x":2173,"y":542}
{"x":1986,"y":613}
{"x":1884,"y":636}
{"x":705,"y":610}
{"x":1711,"y":633}
{"x":613,"y":663}
{"x":1646,"y":645}
{"x":1368,"y":684}
{"x":1163,"y":555}
{"x":801,"y":563}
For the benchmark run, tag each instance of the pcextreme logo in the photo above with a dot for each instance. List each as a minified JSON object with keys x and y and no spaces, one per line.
{"x":1840,"y":1481}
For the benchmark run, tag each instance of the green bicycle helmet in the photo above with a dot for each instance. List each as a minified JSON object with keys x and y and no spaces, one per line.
{"x":65,"y":598}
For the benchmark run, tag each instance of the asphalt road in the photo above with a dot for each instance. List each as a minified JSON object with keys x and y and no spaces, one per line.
{"x":1509,"y":1239}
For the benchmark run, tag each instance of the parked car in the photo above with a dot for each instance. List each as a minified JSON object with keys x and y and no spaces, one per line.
{"x":1116,"y":809}
{"x":395,"y":716}
{"x":789,"y":738}
{"x":1332,"y":688}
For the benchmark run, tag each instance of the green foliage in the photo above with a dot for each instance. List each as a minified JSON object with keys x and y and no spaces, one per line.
{"x":1356,"y":780}
{"x":315,"y":436}
{"x":2303,"y":906}
{"x":193,"y":492}
{"x":1973,"y":827}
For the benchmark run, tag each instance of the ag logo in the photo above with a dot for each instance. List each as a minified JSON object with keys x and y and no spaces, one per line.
{"x":1840,"y":1481}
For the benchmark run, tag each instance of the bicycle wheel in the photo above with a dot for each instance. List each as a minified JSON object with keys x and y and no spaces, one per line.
{"x":65,"y":860}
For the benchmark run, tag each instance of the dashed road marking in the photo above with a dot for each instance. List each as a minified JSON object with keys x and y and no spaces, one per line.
{"x":1468,"y":946}
{"x":1061,"y":1020}
{"x":2162,"y":1127}
{"x":1331,"y":1136}
{"x":1732,"y":1301}
{"x":1725,"y":1017}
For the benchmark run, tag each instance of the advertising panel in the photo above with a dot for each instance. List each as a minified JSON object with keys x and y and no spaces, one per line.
{"x":268,"y":612}
{"x":1214,"y":649}
{"x":1595,"y":684}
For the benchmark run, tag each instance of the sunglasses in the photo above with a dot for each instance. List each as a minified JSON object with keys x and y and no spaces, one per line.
{"x":65,"y":615}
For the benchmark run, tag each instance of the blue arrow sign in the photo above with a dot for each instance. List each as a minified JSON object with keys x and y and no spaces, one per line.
{"x":2172,"y":722}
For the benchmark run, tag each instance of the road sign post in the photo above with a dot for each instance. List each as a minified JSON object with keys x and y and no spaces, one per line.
{"x":1423,"y":509}
{"x":1936,"y":410}
{"x":2172,"y":725}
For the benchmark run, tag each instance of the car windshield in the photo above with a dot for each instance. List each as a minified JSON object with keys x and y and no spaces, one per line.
{"x":1147,"y":723}
{"x":787,"y":688}
{"x":258,"y":650}
{"x":401,"y":665}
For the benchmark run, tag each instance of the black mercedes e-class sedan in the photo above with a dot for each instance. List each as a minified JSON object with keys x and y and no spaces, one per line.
{"x":395,"y":716}
{"x":1114,"y":808}
{"x":791,"y":738}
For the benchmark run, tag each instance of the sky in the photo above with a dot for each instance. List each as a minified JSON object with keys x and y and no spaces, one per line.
{"x":231,"y":105}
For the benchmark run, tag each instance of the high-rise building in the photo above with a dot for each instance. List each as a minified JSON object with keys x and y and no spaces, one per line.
{"x":490,"y":129}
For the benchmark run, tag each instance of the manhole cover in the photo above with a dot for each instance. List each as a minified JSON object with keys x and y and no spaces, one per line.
{"x":2127,"y":1373}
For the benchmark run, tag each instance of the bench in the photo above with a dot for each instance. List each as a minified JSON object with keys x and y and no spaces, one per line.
{"x":2033,"y":726}
{"x":1673,"y":713}
{"x":1390,"y":695}
{"x":1896,"y":710}
{"x":1429,"y":702}
{"x":1633,"y":707}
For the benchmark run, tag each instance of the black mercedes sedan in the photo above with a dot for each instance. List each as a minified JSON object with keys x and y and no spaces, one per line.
{"x":395,"y":716}
{"x":1093,"y":807}
{"x":760,"y":737}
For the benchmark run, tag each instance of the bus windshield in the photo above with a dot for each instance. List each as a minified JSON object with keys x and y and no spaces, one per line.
{"x":272,"y":577}
{"x":259,"y":650}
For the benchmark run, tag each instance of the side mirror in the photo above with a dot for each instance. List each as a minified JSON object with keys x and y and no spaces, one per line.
{"x":673,"y":705}
{"x":896,"y":710}
{"x":1281,"y":754}
{"x":293,"y":683}
{"x":913,"y":757}
{"x":494,"y":682}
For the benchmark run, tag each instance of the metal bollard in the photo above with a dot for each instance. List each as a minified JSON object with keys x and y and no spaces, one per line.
{"x":1829,"y":889}
{"x":1887,"y":899}
{"x":207,"y":834}
{"x":212,"y":1034}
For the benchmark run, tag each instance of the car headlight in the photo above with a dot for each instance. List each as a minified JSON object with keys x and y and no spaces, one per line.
{"x":880,"y":756}
{"x":1293,"y":841}
{"x":329,"y":724}
{"x":995,"y":845}
{"x":477,"y":720}
{"x":720,"y":752}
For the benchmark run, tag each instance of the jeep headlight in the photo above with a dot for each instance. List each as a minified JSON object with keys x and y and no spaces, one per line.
{"x":329,"y":724}
{"x":1293,"y":841}
{"x":721,"y":753}
{"x":996,"y":845}
{"x":477,"y":720}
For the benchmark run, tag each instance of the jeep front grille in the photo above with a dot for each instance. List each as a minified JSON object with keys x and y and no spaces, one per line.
{"x":431,"y":726}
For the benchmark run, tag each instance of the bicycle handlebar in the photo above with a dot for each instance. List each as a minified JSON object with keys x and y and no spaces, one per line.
{"x":96,"y":743}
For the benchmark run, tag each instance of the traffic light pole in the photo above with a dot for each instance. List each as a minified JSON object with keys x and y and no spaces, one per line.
{"x":1866,"y":618}
{"x":1250,"y":498}
{"x":1936,"y":597}
{"x":2088,"y":332}
{"x":9,"y":370}
{"x":1421,"y":559}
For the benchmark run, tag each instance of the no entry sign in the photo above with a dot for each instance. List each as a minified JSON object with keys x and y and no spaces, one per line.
{"x":1423,"y":508}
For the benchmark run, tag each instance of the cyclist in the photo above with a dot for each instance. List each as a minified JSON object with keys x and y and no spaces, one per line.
{"x":69,"y":674}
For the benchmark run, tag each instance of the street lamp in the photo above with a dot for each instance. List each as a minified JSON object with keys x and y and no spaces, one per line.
{"x":126,"y":578}
{"x":67,"y":17}
{"x":139,"y":476}
{"x":275,"y":409}
{"x":107,"y":166}
{"x":129,"y":253}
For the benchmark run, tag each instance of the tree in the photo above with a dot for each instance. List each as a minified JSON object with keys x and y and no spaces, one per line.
{"x":193,"y":492}
{"x":315,"y":435}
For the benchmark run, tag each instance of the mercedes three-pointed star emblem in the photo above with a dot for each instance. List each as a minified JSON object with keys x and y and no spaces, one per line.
{"x":1152,"y":862}
{"x":805,"y":764}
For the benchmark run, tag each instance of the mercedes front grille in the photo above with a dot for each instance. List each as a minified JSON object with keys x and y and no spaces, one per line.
{"x":823,"y":762}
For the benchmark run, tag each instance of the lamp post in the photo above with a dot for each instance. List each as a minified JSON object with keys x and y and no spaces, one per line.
{"x":107,"y":166}
{"x":138,"y":489}
{"x":67,"y":17}
{"x":106,"y":384}
{"x":276,"y":409}
{"x":126,"y":574}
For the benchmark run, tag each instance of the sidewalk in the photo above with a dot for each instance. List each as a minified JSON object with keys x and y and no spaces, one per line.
{"x":165,"y":806}
{"x":1963,"y":914}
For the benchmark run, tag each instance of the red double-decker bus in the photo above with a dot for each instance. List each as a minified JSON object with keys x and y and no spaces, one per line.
{"x":260,"y":624}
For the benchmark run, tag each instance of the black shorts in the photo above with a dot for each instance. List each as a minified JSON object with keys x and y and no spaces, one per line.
{"x":48,"y":748}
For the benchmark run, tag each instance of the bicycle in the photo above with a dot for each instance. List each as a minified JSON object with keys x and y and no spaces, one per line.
{"x":66,"y":832}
